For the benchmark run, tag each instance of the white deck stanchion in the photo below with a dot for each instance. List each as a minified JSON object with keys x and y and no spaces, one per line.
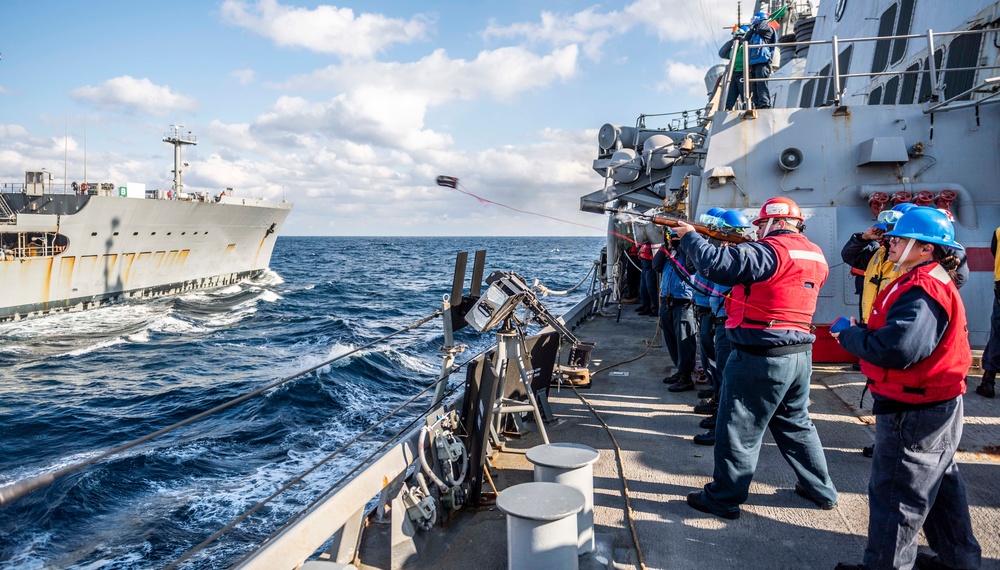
{"x":541,"y":525}
{"x":573,"y":465}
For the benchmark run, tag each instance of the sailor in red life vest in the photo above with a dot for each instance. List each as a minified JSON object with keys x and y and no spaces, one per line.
{"x":915,"y":353}
{"x":765,"y":385}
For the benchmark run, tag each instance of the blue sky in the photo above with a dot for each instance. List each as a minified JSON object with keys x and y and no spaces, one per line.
{"x":350,"y":110}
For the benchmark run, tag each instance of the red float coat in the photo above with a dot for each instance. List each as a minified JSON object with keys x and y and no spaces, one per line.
{"x":787,"y":299}
{"x":940,"y":376}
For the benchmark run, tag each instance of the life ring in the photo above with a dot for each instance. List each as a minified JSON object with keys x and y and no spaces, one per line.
{"x":83,"y":188}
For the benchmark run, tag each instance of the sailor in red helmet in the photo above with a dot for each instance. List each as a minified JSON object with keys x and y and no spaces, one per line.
{"x":765,"y":385}
{"x":915,"y":353}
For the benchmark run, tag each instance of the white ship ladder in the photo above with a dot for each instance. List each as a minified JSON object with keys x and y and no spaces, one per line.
{"x":7,"y":216}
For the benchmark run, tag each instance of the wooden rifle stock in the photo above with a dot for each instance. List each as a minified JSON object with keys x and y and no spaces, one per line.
{"x":717,"y":233}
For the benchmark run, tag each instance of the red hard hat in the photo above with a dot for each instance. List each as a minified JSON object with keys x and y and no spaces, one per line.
{"x":779,"y":208}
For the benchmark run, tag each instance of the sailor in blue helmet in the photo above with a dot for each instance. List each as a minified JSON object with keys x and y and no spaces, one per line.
{"x":761,"y":38}
{"x":677,"y":321}
{"x":737,"y":221}
{"x":765,"y":384}
{"x":915,"y":353}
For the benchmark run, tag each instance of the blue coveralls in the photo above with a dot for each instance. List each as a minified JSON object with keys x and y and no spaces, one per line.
{"x":759,"y":392}
{"x":677,"y":312}
{"x":914,"y":480}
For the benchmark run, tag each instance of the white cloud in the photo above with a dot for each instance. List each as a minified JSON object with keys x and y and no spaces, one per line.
{"x":386,"y":103}
{"x":133,"y":96}
{"x":244,"y":76}
{"x":670,"y":20}
{"x":326,"y":29}
{"x":683,"y":77}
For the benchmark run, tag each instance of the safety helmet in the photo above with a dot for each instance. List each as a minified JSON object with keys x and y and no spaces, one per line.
{"x":948,"y":214}
{"x":739,"y":31}
{"x":928,"y":225}
{"x":779,"y":207}
{"x":734,"y":219}
{"x":759,"y":16}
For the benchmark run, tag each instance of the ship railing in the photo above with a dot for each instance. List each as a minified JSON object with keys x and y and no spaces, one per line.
{"x":937,"y":86}
{"x":7,"y":214}
{"x":336,"y":517}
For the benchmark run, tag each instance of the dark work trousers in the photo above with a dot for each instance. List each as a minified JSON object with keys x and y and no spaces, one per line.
{"x":915,"y":483}
{"x":722,"y":350}
{"x":735,"y":92}
{"x":647,"y":286}
{"x":706,"y":342}
{"x":679,"y":332}
{"x":760,"y":393}
{"x":991,"y":354}
{"x":759,"y":93}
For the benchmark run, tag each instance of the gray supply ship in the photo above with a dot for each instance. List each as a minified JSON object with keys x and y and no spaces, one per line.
{"x":874,"y":103}
{"x":104,"y":242}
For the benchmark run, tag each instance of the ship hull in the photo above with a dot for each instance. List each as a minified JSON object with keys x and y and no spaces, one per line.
{"x":119,"y":248}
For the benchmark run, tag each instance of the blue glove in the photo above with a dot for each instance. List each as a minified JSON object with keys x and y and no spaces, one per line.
{"x":840,"y":324}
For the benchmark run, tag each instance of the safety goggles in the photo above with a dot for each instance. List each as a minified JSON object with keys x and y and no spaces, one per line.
{"x":889,"y":217}
{"x":709,"y":220}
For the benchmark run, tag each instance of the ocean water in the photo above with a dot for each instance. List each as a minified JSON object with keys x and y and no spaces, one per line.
{"x":74,"y":385}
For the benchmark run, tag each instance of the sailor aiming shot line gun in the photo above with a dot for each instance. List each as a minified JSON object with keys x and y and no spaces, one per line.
{"x":720,"y":234}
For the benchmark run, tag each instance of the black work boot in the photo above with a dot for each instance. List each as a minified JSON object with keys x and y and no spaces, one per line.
{"x":707,"y":438}
{"x":706,"y":393}
{"x":708,"y":407}
{"x":708,"y":423}
{"x":683,"y":384}
{"x":673,"y":378}
{"x":987,"y":387}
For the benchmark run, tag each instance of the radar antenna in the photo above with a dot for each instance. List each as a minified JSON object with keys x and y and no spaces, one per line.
{"x":178,"y":139}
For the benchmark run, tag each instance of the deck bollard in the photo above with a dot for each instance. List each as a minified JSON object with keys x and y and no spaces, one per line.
{"x":571,"y":464}
{"x":541,"y":525}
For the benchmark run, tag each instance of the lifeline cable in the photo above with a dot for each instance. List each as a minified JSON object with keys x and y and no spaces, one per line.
{"x":21,"y":488}
{"x":246,"y":514}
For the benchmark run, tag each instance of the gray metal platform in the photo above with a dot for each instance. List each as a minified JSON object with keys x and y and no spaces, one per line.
{"x":778,"y":529}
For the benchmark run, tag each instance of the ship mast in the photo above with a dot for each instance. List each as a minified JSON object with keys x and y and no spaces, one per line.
{"x":177,"y":139}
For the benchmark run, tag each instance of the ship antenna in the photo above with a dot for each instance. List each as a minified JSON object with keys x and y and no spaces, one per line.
{"x":739,"y":14}
{"x":177,"y":139}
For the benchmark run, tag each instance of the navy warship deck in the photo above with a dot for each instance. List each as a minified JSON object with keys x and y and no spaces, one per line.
{"x":653,"y":427}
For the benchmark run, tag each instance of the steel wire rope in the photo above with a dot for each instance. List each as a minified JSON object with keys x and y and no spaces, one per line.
{"x":246,"y":514}
{"x":21,"y":488}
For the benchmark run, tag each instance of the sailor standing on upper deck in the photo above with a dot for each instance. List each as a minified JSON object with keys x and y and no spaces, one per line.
{"x":776,"y":282}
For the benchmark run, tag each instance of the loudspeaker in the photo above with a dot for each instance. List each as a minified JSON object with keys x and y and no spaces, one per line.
{"x":790,"y":159}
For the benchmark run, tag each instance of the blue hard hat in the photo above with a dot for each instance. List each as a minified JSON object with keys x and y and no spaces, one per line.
{"x":734,"y":219}
{"x":927,"y":225}
{"x":715,"y":211}
{"x":904,"y":207}
{"x":758,"y":17}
